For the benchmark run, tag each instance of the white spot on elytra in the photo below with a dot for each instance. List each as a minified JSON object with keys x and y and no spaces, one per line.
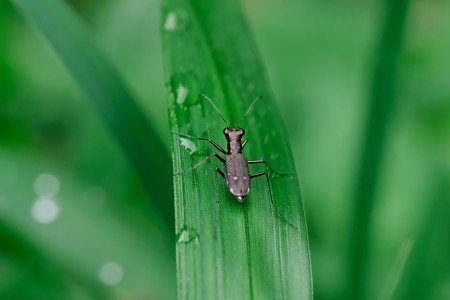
{"x":231,"y":190}
{"x":182,"y":92}
{"x":248,"y":190}
{"x":245,"y":178}
{"x":44,"y":210}
{"x":188,"y":145}
{"x":235,"y":178}
{"x":171,"y":22}
{"x":111,"y":273}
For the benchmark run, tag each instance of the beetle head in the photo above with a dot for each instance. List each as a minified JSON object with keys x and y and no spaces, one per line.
{"x":233,"y":133}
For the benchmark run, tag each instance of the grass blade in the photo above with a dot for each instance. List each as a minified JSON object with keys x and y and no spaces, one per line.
{"x":426,"y":273}
{"x":380,"y":111}
{"x":104,"y":88}
{"x":398,"y":270}
{"x":254,"y":254}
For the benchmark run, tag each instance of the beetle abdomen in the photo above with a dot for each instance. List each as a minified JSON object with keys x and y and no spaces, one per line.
{"x":237,"y":175}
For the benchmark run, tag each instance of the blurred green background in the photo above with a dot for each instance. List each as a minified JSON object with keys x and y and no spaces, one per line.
{"x":77,"y":223}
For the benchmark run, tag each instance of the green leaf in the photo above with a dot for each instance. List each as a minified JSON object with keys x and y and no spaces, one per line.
{"x":381,"y":106}
{"x":105,"y":89}
{"x":253,"y":253}
{"x":426,"y":270}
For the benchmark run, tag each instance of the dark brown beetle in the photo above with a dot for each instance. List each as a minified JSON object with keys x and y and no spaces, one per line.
{"x":237,"y":175}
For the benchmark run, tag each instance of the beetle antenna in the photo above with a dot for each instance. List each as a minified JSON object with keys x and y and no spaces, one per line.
{"x":249,"y":109}
{"x":215,"y":107}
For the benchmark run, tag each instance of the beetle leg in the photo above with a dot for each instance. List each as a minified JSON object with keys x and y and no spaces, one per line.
{"x":261,"y":161}
{"x":244,"y":143}
{"x":216,"y":222}
{"x":222,"y":160}
{"x":220,"y":172}
{"x":201,"y":163}
{"x":217,"y":146}
{"x":271,"y":198}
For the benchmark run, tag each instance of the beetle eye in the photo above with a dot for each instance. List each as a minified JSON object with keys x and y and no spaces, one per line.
{"x":241,"y":131}
{"x":226,"y":131}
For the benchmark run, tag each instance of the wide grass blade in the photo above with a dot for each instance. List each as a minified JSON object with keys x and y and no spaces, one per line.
{"x":226,"y":249}
{"x":105,"y":89}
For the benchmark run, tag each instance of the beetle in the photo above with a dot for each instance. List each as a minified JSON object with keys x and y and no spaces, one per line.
{"x":237,"y":175}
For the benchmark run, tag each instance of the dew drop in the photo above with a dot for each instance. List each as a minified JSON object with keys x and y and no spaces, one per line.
{"x":182,"y":92}
{"x":188,"y":145}
{"x":186,"y":235}
{"x":176,"y":20}
{"x":111,"y":273}
{"x":46,"y":185}
{"x":171,"y":22}
{"x":45,"y":210}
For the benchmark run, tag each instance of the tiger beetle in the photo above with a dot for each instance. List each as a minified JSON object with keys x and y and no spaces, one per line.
{"x":237,"y":175}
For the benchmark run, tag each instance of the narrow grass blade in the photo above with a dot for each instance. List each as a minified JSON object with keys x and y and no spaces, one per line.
{"x":104,"y":88}
{"x":398,"y":270}
{"x":226,"y":249}
{"x":426,"y":272}
{"x":381,"y":105}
